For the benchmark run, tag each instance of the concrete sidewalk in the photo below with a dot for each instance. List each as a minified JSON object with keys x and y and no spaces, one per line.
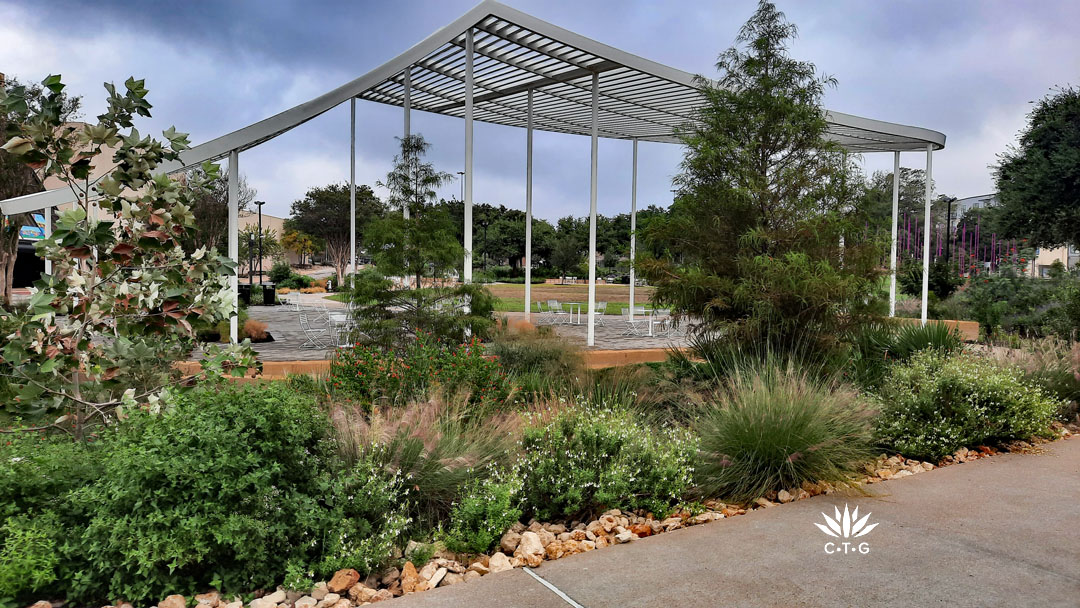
{"x":1001,"y":531}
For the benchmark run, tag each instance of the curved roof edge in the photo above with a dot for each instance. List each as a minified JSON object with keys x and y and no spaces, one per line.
{"x":877,"y":135}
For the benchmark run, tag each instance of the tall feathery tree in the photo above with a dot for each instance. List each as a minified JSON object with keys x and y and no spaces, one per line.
{"x":764,"y":239}
{"x":424,"y":242}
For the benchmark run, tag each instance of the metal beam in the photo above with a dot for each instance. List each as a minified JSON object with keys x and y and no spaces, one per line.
{"x":530,"y":85}
{"x":352,"y":190}
{"x":633,"y":229}
{"x":528,"y":206}
{"x":234,"y":239}
{"x":467,"y":270}
{"x":591,"y":337}
{"x":892,"y":246}
{"x":926,"y":232}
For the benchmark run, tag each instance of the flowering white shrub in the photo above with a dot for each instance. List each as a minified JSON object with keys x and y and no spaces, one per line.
{"x":937,"y":403}
{"x":595,"y":457}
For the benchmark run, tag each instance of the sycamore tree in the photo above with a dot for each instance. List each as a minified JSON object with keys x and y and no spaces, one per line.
{"x":1038,"y":180}
{"x":18,"y":179}
{"x":764,"y":239}
{"x":324,"y":214}
{"x":123,"y":301}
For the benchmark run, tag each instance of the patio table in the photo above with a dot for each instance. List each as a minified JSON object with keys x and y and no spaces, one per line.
{"x":575,"y":306}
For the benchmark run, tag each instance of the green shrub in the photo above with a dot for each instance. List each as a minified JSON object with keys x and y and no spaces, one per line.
{"x":483,"y":513}
{"x":223,"y":491}
{"x":280,"y":271}
{"x":37,"y":475}
{"x":415,"y":371}
{"x":29,"y":554}
{"x":38,"y":471}
{"x":937,"y":403}
{"x":776,"y":427}
{"x":593,"y":457}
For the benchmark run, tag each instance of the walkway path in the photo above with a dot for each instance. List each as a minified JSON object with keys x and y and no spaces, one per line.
{"x":1001,"y":531}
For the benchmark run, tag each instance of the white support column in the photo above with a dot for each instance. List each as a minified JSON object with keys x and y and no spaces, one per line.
{"x":467,"y":270}
{"x":352,"y":190}
{"x":528,"y":206}
{"x":892,"y":246}
{"x":926,"y":232}
{"x":633,"y":229}
{"x":591,"y":336}
{"x":234,"y":239}
{"x":408,"y":118}
{"x":47,"y":214}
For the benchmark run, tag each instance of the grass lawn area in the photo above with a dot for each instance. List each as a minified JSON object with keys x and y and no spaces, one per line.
{"x":511,"y":298}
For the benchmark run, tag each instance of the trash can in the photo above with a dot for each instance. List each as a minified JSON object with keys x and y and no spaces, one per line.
{"x":245,"y":293}
{"x":269,"y":294}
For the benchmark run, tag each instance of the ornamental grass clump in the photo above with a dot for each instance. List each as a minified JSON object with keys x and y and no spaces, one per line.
{"x":937,"y":403}
{"x":436,"y":446}
{"x":591,"y":458}
{"x":776,"y":427}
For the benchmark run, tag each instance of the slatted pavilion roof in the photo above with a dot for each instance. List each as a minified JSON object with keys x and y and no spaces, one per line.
{"x":515,"y":53}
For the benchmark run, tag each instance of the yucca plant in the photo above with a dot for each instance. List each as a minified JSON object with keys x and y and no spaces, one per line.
{"x":777,"y":426}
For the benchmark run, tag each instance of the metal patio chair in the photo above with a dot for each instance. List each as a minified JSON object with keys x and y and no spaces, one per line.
{"x":316,"y":336}
{"x":558,"y":315}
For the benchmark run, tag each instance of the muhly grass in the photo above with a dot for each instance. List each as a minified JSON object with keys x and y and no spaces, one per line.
{"x":776,"y":427}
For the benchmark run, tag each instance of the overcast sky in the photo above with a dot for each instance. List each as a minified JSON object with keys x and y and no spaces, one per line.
{"x":968,"y":68}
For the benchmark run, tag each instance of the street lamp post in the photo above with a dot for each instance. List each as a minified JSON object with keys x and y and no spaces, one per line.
{"x":948,"y":229}
{"x":251,"y":263}
{"x":259,"y":204}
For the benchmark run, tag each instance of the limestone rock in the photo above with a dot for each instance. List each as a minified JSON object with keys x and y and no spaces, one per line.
{"x":382,"y":595}
{"x":499,"y":563}
{"x":509,"y":541}
{"x":642,"y":530}
{"x":328,"y":601}
{"x":342,"y":580}
{"x":409,"y":578}
{"x":208,"y":600}
{"x":428,"y":570}
{"x":437,"y":578}
{"x":178,"y":601}
{"x":608,"y":522}
{"x":451,"y":578}
{"x":530,"y":549}
{"x":479,"y":568}
{"x":624,"y":537}
{"x":342,"y":603}
{"x":784,"y":496}
{"x":545,"y":537}
{"x":555,"y":529}
{"x":41,"y":604}
{"x":706,"y":517}
{"x":306,"y":602}
{"x":390,"y":576}
{"x":470,"y":575}
{"x":319,"y":591}
{"x":764,"y":502}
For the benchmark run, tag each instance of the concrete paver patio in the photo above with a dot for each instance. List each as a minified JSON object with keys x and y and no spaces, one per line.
{"x":1000,"y":531}
{"x":284,"y":325}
